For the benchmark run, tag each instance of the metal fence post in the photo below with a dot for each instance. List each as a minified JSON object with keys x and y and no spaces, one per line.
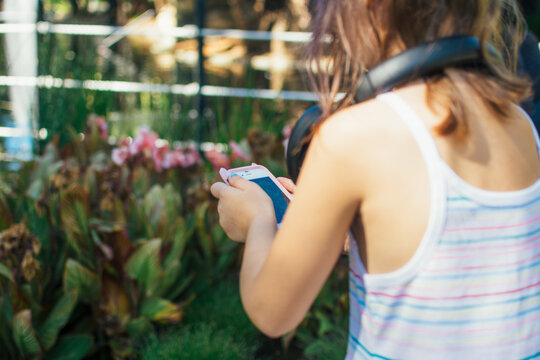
{"x":200,"y":17}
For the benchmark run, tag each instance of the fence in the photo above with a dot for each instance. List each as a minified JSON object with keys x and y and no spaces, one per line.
{"x":114,"y":33}
{"x":185,"y":32}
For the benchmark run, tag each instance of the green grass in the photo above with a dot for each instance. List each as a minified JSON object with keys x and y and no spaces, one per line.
{"x":216,"y":327}
{"x":203,"y":341}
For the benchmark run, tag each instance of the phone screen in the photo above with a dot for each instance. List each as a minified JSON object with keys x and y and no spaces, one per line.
{"x":278,"y":198}
{"x":259,"y":177}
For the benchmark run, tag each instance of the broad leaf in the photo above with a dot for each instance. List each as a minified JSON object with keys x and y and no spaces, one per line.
{"x":24,"y":334}
{"x":155,"y":210}
{"x":141,"y":181}
{"x":205,"y":240}
{"x":57,"y":318}
{"x":35,"y":189}
{"x":178,"y":241}
{"x":75,"y":211}
{"x":161,"y":310}
{"x":144,"y":266}
{"x":173,"y":200}
{"x":7,"y":307}
{"x":71,"y":347}
{"x":180,"y":286}
{"x":5,"y":272}
{"x":170,"y":277}
{"x":81,"y":280}
{"x":138,"y":327}
{"x":9,"y":349}
{"x":114,"y":301}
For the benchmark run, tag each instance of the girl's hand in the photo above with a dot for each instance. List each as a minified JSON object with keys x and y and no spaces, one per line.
{"x":240,"y":205}
{"x":287,"y":184}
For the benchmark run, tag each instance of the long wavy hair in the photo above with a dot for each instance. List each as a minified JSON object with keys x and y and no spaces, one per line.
{"x":351,"y":36}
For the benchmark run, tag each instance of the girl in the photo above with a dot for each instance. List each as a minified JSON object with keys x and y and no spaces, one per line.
{"x":437,"y":182}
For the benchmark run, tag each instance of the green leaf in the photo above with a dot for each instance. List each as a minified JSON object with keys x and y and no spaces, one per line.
{"x":141,"y":181}
{"x":161,"y":310}
{"x":71,"y":347}
{"x":138,"y":327}
{"x":144,"y":266}
{"x":5,"y":272}
{"x":179,"y":240}
{"x":84,"y":282}
{"x":24,"y":334}
{"x":170,"y":277}
{"x":7,"y":307}
{"x":325,"y":324}
{"x":75,"y":211}
{"x":58,"y":317}
{"x":9,"y":349}
{"x":205,"y":240}
{"x":35,"y":189}
{"x":180,"y":286}
{"x":172,"y":199}
{"x":155,"y":209}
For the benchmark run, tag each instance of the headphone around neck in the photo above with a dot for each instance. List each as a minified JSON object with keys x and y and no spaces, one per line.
{"x":417,"y":62}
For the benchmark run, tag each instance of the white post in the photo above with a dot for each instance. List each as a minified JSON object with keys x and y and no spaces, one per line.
{"x":21,"y":57}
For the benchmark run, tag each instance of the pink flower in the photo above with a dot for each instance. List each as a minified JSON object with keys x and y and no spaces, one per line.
{"x":100,"y":123}
{"x":180,"y":158}
{"x":103,"y":127}
{"x":217,"y":159}
{"x":286,"y":132}
{"x":158,"y":155}
{"x":123,"y":141}
{"x":144,"y":142}
{"x":120,"y":155}
{"x":237,"y":152}
{"x":190,"y":159}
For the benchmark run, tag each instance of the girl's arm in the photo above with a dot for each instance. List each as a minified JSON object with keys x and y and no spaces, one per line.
{"x":283,"y":271}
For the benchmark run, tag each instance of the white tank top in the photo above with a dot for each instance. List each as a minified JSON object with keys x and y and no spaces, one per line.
{"x":472,"y":288}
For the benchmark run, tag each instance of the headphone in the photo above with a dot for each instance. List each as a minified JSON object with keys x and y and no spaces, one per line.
{"x":417,"y":62}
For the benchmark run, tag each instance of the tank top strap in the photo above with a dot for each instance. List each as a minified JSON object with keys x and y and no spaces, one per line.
{"x":415,"y":125}
{"x":438,"y":190}
{"x":534,"y":130}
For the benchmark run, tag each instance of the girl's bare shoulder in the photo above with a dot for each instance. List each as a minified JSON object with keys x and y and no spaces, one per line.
{"x":363,"y":128}
{"x":369,"y":141}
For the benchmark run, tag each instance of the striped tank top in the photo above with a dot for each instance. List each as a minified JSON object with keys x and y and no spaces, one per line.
{"x":472,"y":288}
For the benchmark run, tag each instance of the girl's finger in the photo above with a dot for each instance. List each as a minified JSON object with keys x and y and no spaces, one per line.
{"x":217,"y":188}
{"x":287,"y":184}
{"x":239,"y":182}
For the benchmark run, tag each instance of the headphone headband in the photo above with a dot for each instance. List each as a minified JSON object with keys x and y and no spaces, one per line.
{"x":419,"y":61}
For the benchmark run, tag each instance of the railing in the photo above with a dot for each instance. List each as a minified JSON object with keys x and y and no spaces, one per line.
{"x":113,"y":34}
{"x":184,"y":32}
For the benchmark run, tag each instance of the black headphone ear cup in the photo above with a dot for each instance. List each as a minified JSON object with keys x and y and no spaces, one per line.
{"x":297,"y":146}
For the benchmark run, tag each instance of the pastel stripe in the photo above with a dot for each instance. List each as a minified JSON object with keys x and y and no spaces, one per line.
{"x":488,"y":228}
{"x":440,"y":330}
{"x":489,"y":266}
{"x":516,"y":247}
{"x":480,"y":206}
{"x":472,"y":289}
{"x":452,"y":310}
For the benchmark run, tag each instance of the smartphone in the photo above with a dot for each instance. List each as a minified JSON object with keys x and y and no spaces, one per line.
{"x":268,"y":182}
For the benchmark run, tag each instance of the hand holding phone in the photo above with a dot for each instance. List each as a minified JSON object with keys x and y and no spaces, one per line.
{"x":268,"y":182}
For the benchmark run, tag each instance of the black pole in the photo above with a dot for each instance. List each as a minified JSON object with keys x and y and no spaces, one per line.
{"x":200,"y":17}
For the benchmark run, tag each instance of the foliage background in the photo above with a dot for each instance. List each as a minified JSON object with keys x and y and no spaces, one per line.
{"x":111,"y":261}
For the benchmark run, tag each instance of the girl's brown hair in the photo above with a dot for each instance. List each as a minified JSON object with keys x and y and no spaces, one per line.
{"x":352,"y":36}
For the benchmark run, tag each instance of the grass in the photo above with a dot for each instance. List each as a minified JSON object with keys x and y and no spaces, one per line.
{"x":216,"y":327}
{"x":203,"y":341}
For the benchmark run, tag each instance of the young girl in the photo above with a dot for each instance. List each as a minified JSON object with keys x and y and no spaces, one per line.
{"x":437,"y":182}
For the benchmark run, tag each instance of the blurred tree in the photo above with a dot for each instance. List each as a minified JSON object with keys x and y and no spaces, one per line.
{"x":531,"y":9}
